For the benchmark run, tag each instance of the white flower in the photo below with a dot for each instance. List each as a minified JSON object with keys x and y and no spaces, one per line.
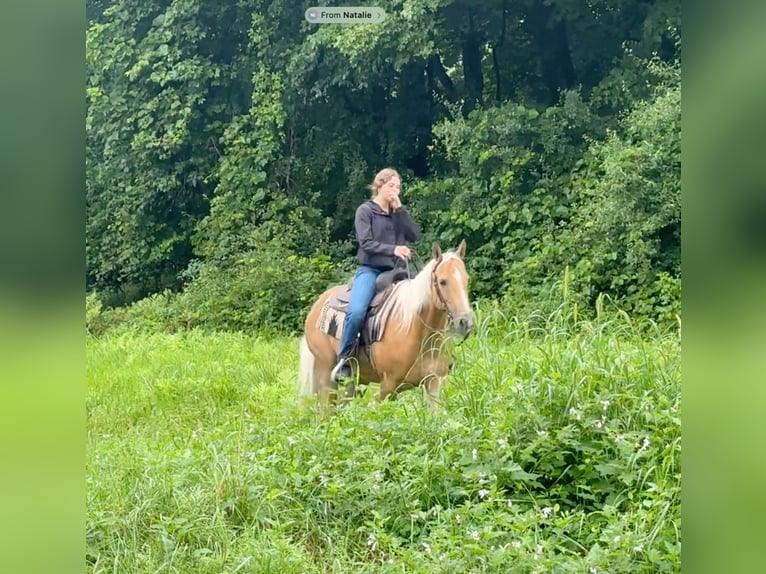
{"x":474,"y":534}
{"x":592,"y":570}
{"x":604,"y":404}
{"x":502,"y":443}
{"x":510,"y":503}
{"x":290,"y":441}
{"x":483,"y":493}
{"x":426,"y":548}
{"x":542,"y":433}
{"x":547,"y":511}
{"x":617,"y":538}
{"x":377,"y":475}
{"x":598,"y":424}
{"x":575,"y":414}
{"x":638,"y":548}
{"x":372,"y":542}
{"x":474,"y":454}
{"x":516,"y":544}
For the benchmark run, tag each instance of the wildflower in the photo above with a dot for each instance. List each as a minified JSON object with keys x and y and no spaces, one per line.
{"x":638,"y":548}
{"x":575,"y":414}
{"x":644,"y":445}
{"x":290,"y":441}
{"x":474,"y":454}
{"x":377,"y":475}
{"x":474,"y":534}
{"x":502,"y":443}
{"x":516,"y":544}
{"x":372,"y":543}
{"x":483,"y":493}
{"x":510,"y":503}
{"x":542,"y":433}
{"x":604,"y":404}
{"x":426,"y":547}
{"x":598,"y":424}
{"x":617,"y":538}
{"x":592,"y":570}
{"x":547,"y":511}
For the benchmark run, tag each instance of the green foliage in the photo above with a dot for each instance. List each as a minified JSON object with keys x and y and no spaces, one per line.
{"x":544,"y":133}
{"x":627,"y":224}
{"x":558,"y":451}
{"x":512,"y":194}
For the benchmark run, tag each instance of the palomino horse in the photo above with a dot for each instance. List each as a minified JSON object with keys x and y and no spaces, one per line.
{"x":408,"y":353}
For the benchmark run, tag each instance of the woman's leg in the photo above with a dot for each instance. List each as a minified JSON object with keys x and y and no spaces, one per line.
{"x":362,"y":294}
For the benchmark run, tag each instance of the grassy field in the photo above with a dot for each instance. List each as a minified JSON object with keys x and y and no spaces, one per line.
{"x":558,"y":450}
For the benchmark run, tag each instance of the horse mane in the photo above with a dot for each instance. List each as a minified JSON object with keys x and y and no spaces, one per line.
{"x":411,"y":295}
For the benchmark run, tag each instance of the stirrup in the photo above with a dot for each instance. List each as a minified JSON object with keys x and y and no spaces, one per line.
{"x":342,"y":363}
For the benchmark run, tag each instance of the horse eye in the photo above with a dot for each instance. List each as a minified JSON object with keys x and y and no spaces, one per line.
{"x":442,"y":282}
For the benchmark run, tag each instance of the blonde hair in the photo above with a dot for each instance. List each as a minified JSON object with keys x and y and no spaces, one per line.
{"x":382,"y":178}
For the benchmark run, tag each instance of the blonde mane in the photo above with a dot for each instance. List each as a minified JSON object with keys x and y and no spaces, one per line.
{"x":410,"y":296}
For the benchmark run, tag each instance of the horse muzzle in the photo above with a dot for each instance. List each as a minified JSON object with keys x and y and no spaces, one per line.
{"x":464,"y":324}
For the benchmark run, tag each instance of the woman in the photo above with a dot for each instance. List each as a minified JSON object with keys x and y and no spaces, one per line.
{"x":383,"y":230}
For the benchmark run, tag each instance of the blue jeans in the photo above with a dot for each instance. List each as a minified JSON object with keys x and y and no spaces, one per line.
{"x":362,"y":293}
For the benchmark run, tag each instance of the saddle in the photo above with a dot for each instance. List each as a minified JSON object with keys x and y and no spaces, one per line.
{"x":383,"y":288}
{"x":333,"y":312}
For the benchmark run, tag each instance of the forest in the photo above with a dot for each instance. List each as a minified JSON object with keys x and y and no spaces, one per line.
{"x":229,"y":144}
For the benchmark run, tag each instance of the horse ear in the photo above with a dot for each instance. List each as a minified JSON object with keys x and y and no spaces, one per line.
{"x":461,"y":249}
{"x":436,"y":250}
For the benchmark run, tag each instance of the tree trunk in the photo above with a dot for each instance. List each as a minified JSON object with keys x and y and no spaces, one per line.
{"x":550,"y":33}
{"x":472,"y":75}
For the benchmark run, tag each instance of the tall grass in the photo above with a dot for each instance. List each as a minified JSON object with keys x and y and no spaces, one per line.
{"x":558,"y":450}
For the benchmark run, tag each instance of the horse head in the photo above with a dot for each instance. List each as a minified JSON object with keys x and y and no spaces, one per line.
{"x":449,"y":286}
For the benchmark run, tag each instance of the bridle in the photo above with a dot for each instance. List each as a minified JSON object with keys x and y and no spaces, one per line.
{"x":439,"y":294}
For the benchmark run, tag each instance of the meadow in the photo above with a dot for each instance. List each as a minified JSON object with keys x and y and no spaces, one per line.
{"x":557,"y":450}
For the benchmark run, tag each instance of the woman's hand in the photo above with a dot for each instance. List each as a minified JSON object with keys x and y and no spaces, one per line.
{"x":403,"y":252}
{"x":394,"y":203}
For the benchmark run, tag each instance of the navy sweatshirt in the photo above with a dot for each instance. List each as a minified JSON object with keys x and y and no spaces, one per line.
{"x":379,"y":232}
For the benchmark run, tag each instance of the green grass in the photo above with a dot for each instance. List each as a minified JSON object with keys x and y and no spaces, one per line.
{"x":558,"y":450}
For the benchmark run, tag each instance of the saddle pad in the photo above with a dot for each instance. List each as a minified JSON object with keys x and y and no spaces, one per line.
{"x":341,"y":297}
{"x":333,"y":314}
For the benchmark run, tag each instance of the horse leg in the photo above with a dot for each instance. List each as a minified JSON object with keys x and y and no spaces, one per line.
{"x":327,"y":389}
{"x":433,"y":394}
{"x":389,"y":387}
{"x":434,"y":371}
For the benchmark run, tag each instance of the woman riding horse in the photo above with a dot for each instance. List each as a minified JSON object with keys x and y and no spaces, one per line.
{"x":384,"y":231}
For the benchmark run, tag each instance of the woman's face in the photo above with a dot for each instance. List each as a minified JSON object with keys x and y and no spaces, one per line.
{"x":391,"y":188}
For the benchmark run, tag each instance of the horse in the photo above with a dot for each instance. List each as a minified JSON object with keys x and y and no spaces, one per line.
{"x":421,"y":314}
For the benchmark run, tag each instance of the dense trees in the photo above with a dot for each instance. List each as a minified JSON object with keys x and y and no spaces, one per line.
{"x":229,"y":143}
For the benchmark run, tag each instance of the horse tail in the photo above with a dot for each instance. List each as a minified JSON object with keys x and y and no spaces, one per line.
{"x":306,"y":377}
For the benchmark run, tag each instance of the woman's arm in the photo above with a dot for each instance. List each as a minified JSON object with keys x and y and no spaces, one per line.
{"x":363,"y":227}
{"x":409,"y":228}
